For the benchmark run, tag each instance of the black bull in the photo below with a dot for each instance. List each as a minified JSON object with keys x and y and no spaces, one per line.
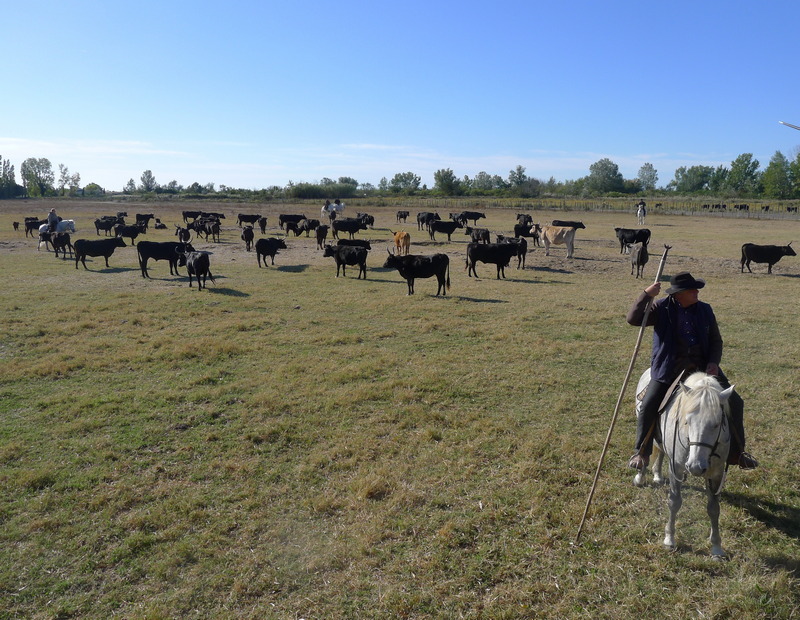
{"x":414,"y":266}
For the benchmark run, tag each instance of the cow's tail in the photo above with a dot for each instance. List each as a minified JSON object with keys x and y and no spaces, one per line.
{"x":744,"y":255}
{"x":448,"y":275}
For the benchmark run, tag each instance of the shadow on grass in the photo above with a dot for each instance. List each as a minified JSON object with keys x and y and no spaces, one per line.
{"x":112,"y":269}
{"x":292,"y":268}
{"x":772,"y":514}
{"x":229,"y":292}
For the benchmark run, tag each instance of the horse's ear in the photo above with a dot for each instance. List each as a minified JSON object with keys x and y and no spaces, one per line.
{"x":725,"y":394}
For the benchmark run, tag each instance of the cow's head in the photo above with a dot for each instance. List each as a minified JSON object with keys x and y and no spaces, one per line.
{"x":790,"y":250}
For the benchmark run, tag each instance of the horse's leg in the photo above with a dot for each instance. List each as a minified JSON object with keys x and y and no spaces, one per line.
{"x":713,"y":515}
{"x":658,"y":460}
{"x":675,"y":501}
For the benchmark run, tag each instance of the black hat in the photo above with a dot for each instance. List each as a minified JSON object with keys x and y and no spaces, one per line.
{"x":684,"y":281}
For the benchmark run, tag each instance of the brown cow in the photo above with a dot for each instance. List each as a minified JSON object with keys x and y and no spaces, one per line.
{"x":402,"y":243}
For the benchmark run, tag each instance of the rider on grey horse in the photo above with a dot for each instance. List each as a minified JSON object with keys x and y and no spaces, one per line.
{"x":686,"y":339}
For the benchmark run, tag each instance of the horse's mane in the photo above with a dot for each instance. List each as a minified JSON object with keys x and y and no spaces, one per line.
{"x":703,"y":395}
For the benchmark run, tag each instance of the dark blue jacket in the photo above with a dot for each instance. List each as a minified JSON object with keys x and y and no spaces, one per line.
{"x":664,"y":319}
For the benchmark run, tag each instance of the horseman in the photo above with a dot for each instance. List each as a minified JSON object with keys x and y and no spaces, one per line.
{"x":686,"y":339}
{"x":52,"y":220}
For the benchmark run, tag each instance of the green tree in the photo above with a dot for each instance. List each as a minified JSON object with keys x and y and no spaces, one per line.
{"x":8,"y":182}
{"x":37,"y":176}
{"x":93,"y":189}
{"x":604,"y":177}
{"x":647,"y":177}
{"x":718,"y":179}
{"x":794,"y":171}
{"x":348,"y":181}
{"x":691,"y":180}
{"x":148,"y":182}
{"x":405,"y":182}
{"x":517,"y":176}
{"x":446,"y":182}
{"x":777,"y":177}
{"x":383,"y":185}
{"x":743,"y":178}
{"x":130,"y":187}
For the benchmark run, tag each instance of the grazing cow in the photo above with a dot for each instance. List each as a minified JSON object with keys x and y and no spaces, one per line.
{"x":444,"y":227}
{"x":522,"y":248}
{"x":262,"y":224}
{"x":143,"y":220}
{"x":466,"y":216}
{"x":106,"y":224}
{"x":478,"y":234}
{"x":307,"y":226}
{"x":355,"y":243}
{"x":349,"y":225}
{"x":499,"y":254}
{"x":402,"y":216}
{"x":197,"y":264}
{"x":289,"y":217}
{"x":33,"y":225}
{"x":424,"y":219}
{"x":570,"y":223}
{"x":129,"y":231}
{"x":96,"y":247}
{"x":161,"y":250}
{"x":247,"y":236}
{"x":788,"y":210}
{"x":639,"y":258}
{"x":769,"y":254}
{"x":525,"y":219}
{"x":558,"y":235}
{"x":293,"y":227}
{"x":322,"y":235}
{"x":268,"y":247}
{"x":183,"y":234}
{"x":61,"y":241}
{"x":348,"y":255}
{"x":366,"y":218}
{"x":414,"y":266}
{"x":402,"y":243}
{"x":190,"y":214}
{"x":244,"y":218}
{"x":629,"y":236}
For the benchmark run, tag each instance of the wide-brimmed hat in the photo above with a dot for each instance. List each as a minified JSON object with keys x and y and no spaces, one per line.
{"x":684,"y":281}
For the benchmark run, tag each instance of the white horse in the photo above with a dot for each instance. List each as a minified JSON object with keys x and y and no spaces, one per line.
{"x":695,"y":438}
{"x":641,"y":212}
{"x":62,"y":226}
{"x":331,"y":210}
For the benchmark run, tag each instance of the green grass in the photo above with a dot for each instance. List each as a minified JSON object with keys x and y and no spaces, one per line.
{"x":288,"y":445}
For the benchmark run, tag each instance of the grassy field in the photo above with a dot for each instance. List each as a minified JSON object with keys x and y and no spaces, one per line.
{"x":291,"y":445}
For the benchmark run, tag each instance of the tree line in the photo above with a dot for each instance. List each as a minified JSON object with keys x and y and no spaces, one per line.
{"x":743,"y":178}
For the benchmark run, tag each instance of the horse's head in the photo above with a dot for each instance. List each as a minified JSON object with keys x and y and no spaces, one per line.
{"x":704,"y":424}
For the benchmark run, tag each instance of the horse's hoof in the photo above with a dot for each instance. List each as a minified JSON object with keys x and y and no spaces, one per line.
{"x":671,"y":548}
{"x":638,"y":481}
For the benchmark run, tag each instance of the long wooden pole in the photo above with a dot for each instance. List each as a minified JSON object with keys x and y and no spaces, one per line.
{"x":621,"y":395}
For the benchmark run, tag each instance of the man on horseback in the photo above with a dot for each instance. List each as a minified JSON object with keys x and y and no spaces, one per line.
{"x":686,"y":338}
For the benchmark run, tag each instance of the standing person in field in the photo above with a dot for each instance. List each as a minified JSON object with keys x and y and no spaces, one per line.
{"x":686,"y":339}
{"x":52,"y":220}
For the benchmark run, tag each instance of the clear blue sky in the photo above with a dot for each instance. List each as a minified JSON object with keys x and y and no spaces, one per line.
{"x":252,"y":94}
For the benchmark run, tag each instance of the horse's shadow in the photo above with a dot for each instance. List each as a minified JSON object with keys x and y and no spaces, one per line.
{"x":772,"y":514}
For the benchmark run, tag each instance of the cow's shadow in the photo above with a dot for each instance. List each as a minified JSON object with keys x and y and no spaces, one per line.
{"x":482,"y":300}
{"x":111,"y":269}
{"x":229,"y":292}
{"x":291,"y":268}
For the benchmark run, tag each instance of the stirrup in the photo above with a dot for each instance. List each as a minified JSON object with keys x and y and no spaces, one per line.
{"x":638,"y":462}
{"x":746,"y":461}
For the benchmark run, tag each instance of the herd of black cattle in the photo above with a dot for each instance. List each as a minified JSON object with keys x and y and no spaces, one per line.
{"x":351,"y":251}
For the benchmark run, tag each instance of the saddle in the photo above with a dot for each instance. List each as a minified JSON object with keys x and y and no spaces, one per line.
{"x":668,"y":396}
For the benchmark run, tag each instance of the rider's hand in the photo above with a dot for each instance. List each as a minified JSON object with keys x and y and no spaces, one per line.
{"x":712,"y":369}
{"x":654,"y":289}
